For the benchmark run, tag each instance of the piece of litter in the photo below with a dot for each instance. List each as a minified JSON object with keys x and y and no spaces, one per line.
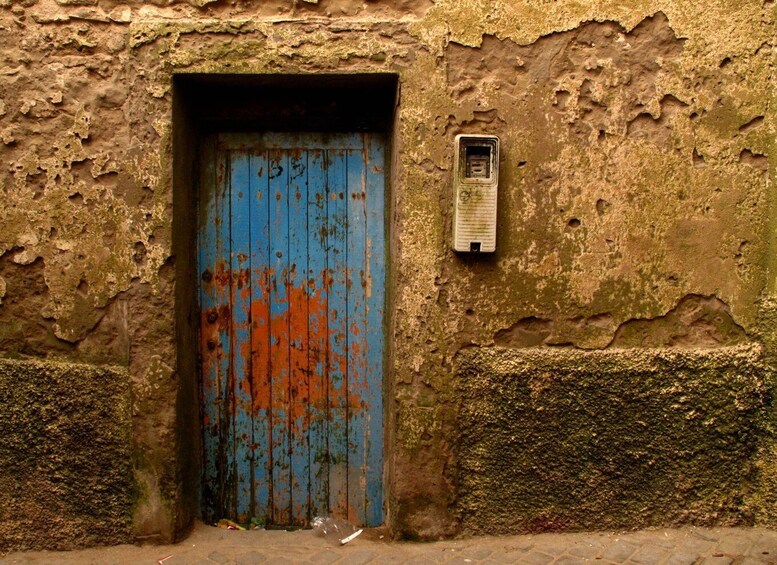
{"x":351,"y":537}
{"x":229,"y":525}
{"x":337,"y":530}
{"x":160,"y":561}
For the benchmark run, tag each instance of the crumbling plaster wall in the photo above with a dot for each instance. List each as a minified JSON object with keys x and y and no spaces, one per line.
{"x":637,"y":156}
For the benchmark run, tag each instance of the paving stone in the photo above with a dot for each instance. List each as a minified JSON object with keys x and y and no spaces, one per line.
{"x":358,"y":557}
{"x":251,"y":558}
{"x":389,"y":558}
{"x":665,"y":539}
{"x":520,"y":543}
{"x":537,"y":558}
{"x":552,"y":546}
{"x":434,"y":556}
{"x":734,"y":545}
{"x":707,"y":535}
{"x":682,"y":558}
{"x":649,"y":554}
{"x":477,"y":552}
{"x":218,"y":557}
{"x":423,"y":559}
{"x":569,"y":560}
{"x":696,"y":545}
{"x":178,"y":559}
{"x":584,"y":550}
{"x":460,"y":560}
{"x":765,"y":548}
{"x":751,"y":561}
{"x":510,"y":556}
{"x":619,"y":551}
{"x":717,"y":560}
{"x":324,"y":557}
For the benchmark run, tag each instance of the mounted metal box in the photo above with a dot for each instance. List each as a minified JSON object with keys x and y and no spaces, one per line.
{"x":475,"y":184}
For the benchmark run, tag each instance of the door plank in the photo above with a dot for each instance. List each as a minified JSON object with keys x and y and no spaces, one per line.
{"x":338,"y":332}
{"x":299,"y":419}
{"x":279,"y":337}
{"x":214,"y":302}
{"x":260,"y":335}
{"x":240,"y":297}
{"x":318,"y":336}
{"x":375,"y":292}
{"x":357,"y":333}
{"x":222,"y":280}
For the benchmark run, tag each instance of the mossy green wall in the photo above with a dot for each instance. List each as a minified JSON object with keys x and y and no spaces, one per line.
{"x":636,"y":206}
{"x":612,"y":439}
{"x":65,"y":455}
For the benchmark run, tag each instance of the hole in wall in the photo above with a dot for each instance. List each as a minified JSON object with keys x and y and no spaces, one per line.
{"x":83,"y":287}
{"x":755,"y":160}
{"x":139,"y":255}
{"x":698,"y":158}
{"x":751,"y":125}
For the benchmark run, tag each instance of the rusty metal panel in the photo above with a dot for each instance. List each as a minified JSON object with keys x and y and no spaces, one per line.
{"x":292,"y":253}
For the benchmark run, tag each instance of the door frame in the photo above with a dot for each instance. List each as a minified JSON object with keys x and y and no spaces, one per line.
{"x":251,"y":103}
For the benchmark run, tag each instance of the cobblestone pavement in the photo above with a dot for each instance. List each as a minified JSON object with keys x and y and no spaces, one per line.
{"x":212,"y":546}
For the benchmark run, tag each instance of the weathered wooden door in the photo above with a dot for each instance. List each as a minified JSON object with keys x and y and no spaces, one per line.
{"x":292,"y":273}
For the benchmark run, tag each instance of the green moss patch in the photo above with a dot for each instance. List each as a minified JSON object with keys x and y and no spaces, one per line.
{"x":65,"y":455}
{"x":628,"y":438}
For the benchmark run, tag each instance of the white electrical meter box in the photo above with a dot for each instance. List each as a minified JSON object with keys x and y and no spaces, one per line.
{"x":475,"y":182}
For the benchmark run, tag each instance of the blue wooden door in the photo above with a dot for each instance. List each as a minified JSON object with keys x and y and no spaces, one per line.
{"x":291,"y":251}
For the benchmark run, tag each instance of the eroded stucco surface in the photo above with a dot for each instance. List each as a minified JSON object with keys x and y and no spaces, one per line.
{"x":635,"y":201}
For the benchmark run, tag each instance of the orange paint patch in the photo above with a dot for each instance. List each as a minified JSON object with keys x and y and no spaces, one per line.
{"x":260,"y":346}
{"x":293,"y":344}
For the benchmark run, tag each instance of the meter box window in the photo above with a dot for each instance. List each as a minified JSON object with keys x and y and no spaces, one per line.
{"x":475,"y":182}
